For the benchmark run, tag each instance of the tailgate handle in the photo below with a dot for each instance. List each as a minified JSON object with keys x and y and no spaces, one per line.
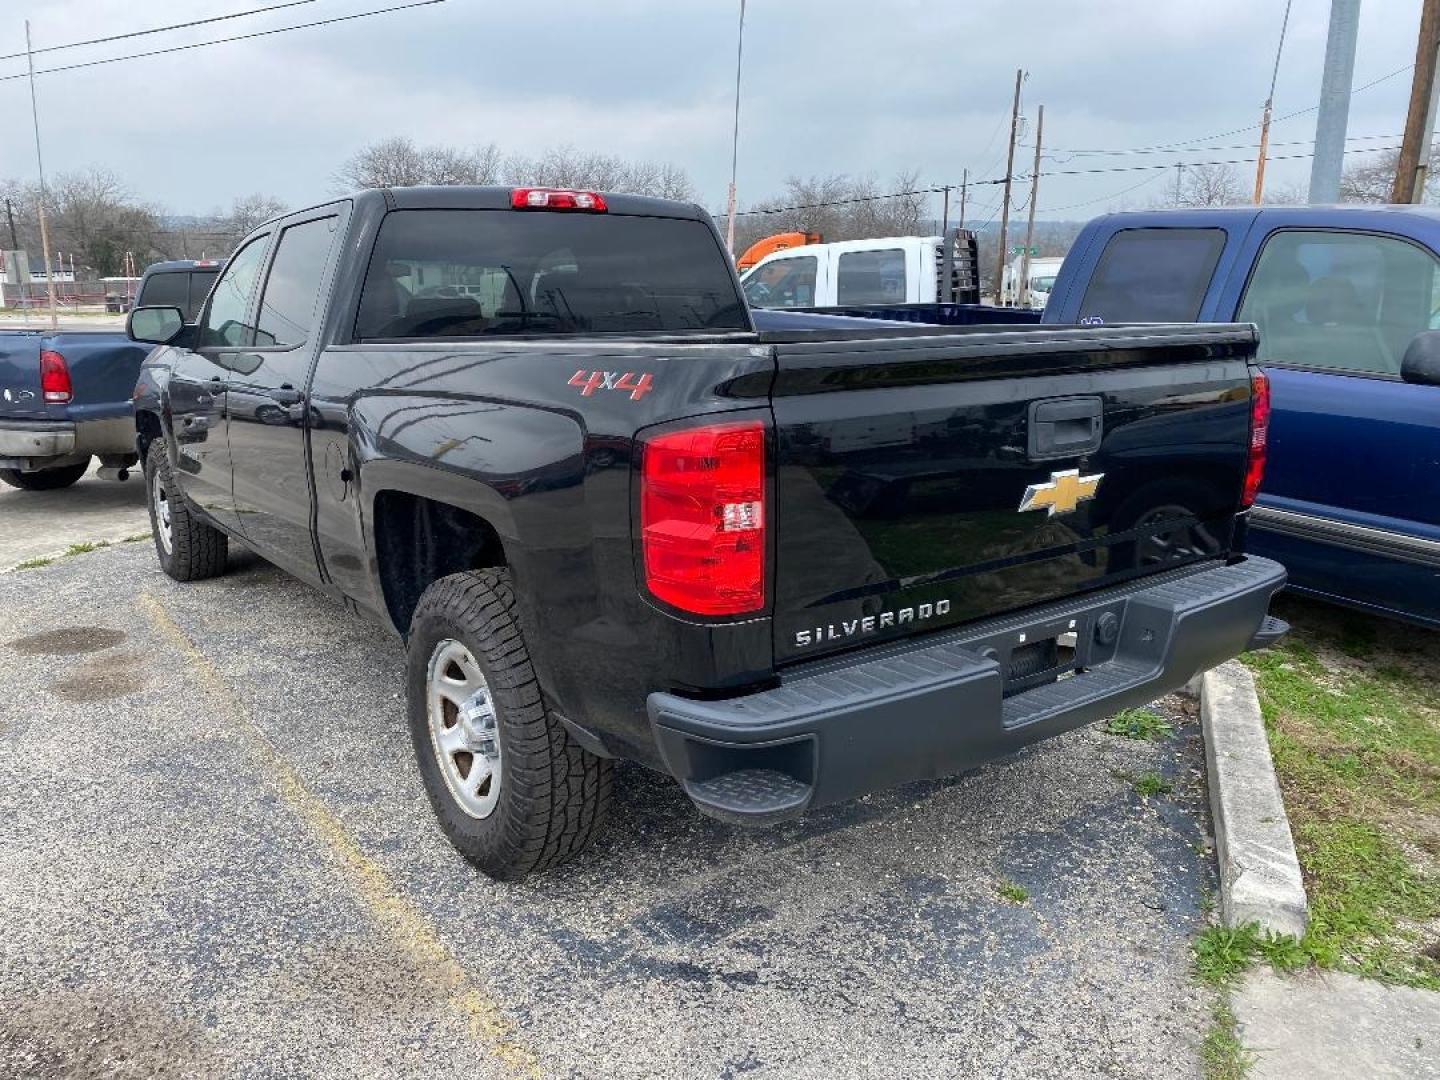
{"x":1065,"y":427}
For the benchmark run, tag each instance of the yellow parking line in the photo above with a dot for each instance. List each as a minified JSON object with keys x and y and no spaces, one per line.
{"x":411,"y":930}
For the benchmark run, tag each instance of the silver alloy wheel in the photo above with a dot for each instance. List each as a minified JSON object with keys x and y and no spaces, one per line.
{"x":464,"y":731}
{"x":160,"y":500}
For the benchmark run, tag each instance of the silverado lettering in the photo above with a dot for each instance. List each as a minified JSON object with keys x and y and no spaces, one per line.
{"x":868,"y":624}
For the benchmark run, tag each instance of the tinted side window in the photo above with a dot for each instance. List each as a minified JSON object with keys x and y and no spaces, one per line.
{"x":287,"y":306}
{"x":1340,"y":301}
{"x":224,"y":324}
{"x":1153,"y":275}
{"x":871,"y":277}
{"x":168,"y":289}
{"x":200,"y":282}
{"x":466,"y":273}
{"x":783,"y":283}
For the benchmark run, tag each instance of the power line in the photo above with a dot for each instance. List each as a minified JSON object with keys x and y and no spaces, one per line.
{"x":1056,"y":154}
{"x":1189,"y":143}
{"x":159,"y":29}
{"x":1104,"y":198}
{"x":1160,"y":169}
{"x":227,"y":40}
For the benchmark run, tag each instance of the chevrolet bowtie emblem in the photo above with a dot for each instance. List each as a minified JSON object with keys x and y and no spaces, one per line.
{"x":1065,"y":491}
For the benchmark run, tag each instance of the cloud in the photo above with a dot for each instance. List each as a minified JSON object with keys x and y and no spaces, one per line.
{"x":829,"y":86}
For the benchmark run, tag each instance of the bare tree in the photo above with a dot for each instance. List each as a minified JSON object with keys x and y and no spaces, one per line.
{"x":838,"y":207}
{"x":1212,"y":185}
{"x":93,"y":217}
{"x":248,"y":212}
{"x":399,"y":162}
{"x":564,"y":166}
{"x":1371,"y":180}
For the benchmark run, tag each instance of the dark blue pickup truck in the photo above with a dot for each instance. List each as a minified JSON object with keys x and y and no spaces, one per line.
{"x":1345,"y":298}
{"x":65,"y":397}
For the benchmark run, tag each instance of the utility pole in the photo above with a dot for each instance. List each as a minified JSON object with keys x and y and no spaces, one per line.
{"x":945,"y":209}
{"x":1333,"y":118}
{"x":1179,"y":175}
{"x":14,"y":237}
{"x":735,"y":137}
{"x":1414,"y":150}
{"x":964,"y":190}
{"x":1265,"y":118}
{"x":1024,"y":293}
{"x":40,"y":166}
{"x":1009,"y":178}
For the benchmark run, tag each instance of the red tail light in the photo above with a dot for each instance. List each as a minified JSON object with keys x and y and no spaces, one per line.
{"x":1259,"y":436}
{"x":54,"y":378}
{"x":534,"y":198}
{"x":702,"y":517}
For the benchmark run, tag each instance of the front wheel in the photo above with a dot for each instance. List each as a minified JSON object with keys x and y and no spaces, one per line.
{"x":45,"y":479}
{"x":189,"y":549}
{"x":512,"y":790}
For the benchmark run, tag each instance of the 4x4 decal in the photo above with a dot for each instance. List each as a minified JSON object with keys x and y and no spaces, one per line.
{"x":590,"y":381}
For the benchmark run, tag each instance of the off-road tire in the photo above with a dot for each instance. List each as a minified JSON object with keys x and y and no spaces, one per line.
{"x":45,"y":479}
{"x":198,"y":550}
{"x":553,"y":793}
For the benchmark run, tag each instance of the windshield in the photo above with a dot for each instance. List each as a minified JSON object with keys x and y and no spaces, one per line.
{"x":470,"y":273}
{"x":1043,"y":284}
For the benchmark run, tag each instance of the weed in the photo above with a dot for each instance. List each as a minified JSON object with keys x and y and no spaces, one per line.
{"x":1139,"y":724}
{"x":1149,"y":785}
{"x":1222,"y":1055}
{"x":1009,"y":890}
{"x":84,"y":547}
{"x":33,"y":564}
{"x":1223,"y":953}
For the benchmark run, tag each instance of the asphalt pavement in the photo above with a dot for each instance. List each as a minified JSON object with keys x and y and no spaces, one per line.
{"x":216,"y":859}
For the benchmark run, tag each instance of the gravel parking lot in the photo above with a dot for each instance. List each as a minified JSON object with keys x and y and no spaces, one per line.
{"x":216,"y":859}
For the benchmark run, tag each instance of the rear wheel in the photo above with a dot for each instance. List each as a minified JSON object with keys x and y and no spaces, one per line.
{"x":513,"y":791}
{"x":46,"y":479}
{"x":189,"y":549}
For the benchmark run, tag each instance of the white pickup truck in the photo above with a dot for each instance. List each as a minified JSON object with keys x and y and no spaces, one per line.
{"x":863,"y":273}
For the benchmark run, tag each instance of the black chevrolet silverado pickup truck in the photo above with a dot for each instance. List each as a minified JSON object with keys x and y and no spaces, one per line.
{"x":538,"y":434}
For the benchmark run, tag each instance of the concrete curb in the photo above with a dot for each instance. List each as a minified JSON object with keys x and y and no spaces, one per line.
{"x":1260,"y":878}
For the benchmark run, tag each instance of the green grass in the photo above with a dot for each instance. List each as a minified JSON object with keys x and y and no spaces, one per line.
{"x":33,"y":564}
{"x":1352,"y":709}
{"x":1150,"y":785}
{"x":85,"y":547}
{"x":1222,"y":1055}
{"x":82,"y":548}
{"x":1009,"y":890}
{"x":1221,"y":954}
{"x":1139,"y":724}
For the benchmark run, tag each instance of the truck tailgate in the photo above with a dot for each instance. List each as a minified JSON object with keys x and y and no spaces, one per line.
{"x":903,"y":464}
{"x":20,"y":397}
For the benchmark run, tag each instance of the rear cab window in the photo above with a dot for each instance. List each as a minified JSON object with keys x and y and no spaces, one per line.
{"x":476,"y":273}
{"x":1153,"y":275}
{"x":184,"y":289}
{"x":871,"y":277}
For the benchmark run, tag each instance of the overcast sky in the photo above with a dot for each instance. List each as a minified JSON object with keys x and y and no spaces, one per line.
{"x":829,"y":86}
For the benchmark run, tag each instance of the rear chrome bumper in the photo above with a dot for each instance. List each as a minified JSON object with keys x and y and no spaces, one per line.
{"x":937,"y":706}
{"x":36,"y":438}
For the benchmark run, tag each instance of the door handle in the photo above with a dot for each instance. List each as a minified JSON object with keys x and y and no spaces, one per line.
{"x":1065,"y":427}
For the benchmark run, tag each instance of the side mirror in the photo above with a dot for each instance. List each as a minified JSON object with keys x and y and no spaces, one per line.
{"x":1422,"y":360}
{"x":155,"y":325}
